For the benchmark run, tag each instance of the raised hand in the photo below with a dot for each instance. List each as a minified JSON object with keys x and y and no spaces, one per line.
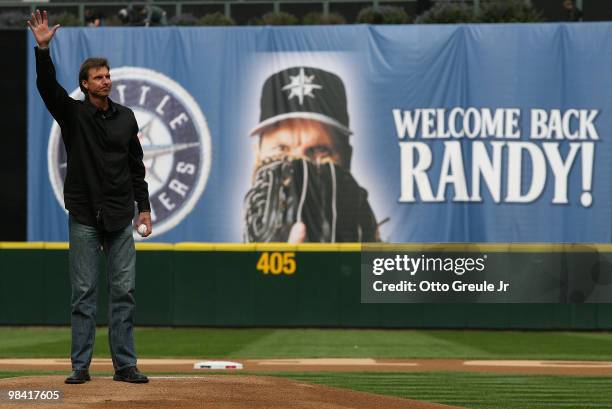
{"x":39,"y":24}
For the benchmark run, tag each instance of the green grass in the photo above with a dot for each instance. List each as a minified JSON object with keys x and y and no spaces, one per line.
{"x":293,"y":343}
{"x":476,"y":390}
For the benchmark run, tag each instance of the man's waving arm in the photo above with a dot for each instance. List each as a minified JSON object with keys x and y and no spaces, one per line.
{"x":55,"y":97}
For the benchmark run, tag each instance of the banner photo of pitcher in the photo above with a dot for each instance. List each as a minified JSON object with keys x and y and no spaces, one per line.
{"x":352,"y":133}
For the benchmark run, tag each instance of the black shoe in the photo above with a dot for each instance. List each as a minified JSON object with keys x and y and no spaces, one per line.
{"x":78,"y":376}
{"x":130,"y":374}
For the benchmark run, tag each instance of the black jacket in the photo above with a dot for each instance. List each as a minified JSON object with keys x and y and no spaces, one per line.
{"x":105,"y":173}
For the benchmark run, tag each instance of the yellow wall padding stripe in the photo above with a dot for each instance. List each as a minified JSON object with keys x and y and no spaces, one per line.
{"x":343,"y":247}
{"x":154,"y":246}
{"x":22,"y":245}
{"x":52,"y":245}
{"x":213,"y":247}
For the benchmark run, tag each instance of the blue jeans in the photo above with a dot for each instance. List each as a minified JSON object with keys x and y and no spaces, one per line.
{"x":86,"y":244}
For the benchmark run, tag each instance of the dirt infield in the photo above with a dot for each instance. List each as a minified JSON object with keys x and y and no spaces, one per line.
{"x":594,"y":368}
{"x":211,"y":392}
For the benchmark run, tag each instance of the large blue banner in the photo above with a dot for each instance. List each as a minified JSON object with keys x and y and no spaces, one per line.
{"x":472,"y":133}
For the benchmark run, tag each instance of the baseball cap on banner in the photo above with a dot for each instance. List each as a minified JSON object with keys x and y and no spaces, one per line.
{"x":303,"y":92}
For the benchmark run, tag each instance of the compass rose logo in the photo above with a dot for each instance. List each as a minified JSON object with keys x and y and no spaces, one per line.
{"x":301,"y":86}
{"x":175,"y":140}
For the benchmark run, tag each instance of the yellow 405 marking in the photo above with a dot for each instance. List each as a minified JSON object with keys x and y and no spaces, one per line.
{"x":277,"y":262}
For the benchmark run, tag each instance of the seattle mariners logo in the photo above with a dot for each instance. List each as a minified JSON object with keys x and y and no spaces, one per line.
{"x":175,"y":140}
{"x":301,"y":86}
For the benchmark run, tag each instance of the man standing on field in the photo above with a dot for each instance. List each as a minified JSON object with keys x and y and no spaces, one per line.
{"x":105,"y":176}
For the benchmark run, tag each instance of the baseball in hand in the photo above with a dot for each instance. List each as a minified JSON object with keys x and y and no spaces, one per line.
{"x":142,"y":229}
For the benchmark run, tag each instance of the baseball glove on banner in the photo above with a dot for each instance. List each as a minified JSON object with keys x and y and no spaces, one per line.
{"x":325,"y":197}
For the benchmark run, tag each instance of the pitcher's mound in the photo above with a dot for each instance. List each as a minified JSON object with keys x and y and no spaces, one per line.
{"x":211,"y":392}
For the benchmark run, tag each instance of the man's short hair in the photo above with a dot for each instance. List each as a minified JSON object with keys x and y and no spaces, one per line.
{"x":95,"y":62}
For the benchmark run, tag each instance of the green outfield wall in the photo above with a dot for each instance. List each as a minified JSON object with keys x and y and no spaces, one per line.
{"x":271,"y":285}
